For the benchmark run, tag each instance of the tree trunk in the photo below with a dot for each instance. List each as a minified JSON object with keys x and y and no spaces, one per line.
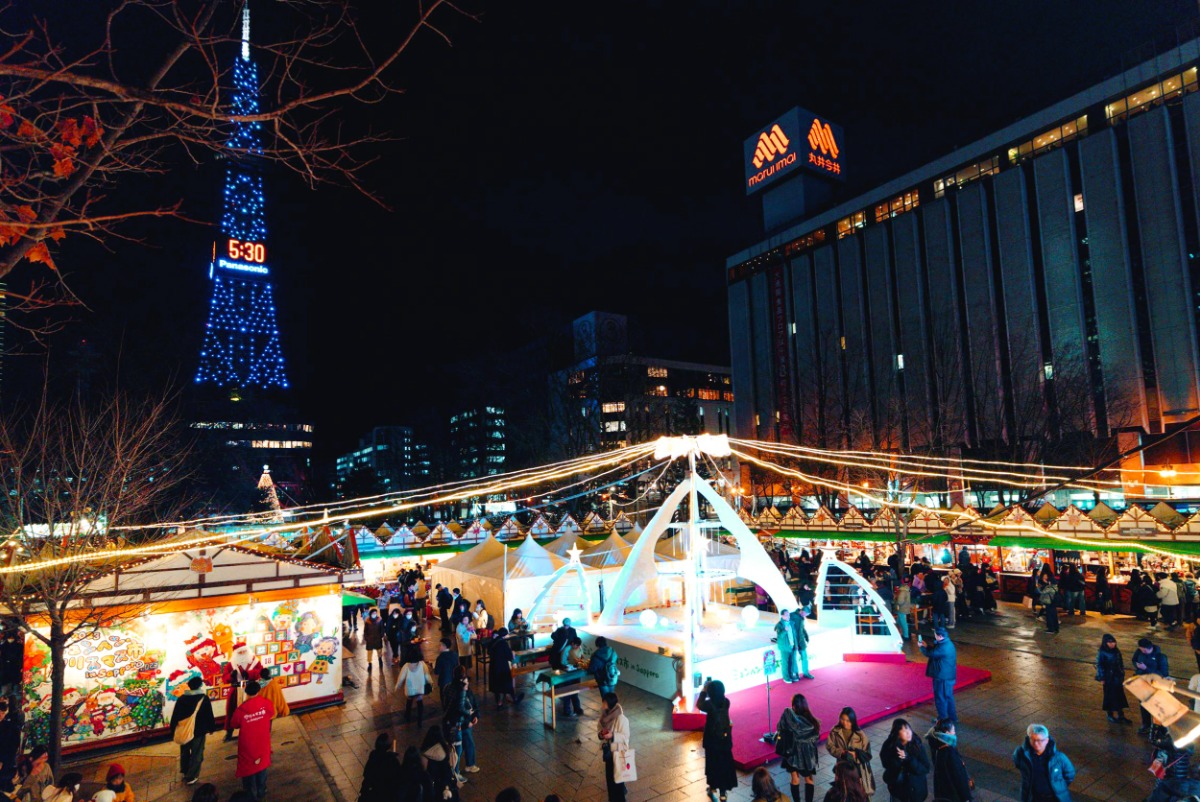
{"x":58,"y":667}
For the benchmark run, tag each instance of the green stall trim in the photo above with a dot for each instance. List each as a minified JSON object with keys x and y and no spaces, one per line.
{"x":387,"y":553}
{"x":864,"y":535}
{"x":1182,"y":548}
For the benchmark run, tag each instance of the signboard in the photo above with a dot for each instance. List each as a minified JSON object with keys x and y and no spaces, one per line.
{"x":769,"y":662}
{"x":202,"y":565}
{"x":797,"y":140}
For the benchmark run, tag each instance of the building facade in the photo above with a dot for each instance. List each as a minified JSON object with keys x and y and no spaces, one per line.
{"x":1038,"y":286}
{"x":608,"y":398}
{"x":477,"y":442}
{"x":387,"y":459}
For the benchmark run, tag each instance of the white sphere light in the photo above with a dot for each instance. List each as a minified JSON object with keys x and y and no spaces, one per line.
{"x":749,"y":616}
{"x":648,"y":619}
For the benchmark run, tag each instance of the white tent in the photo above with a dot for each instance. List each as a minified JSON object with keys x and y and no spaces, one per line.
{"x":488,"y":550}
{"x":505,"y":580}
{"x":510,"y":530}
{"x":720,"y":555}
{"x":565,"y":542}
{"x":622,"y":524}
{"x":594,"y":523}
{"x":634,"y":534}
{"x":611,"y":551}
{"x":567,"y":525}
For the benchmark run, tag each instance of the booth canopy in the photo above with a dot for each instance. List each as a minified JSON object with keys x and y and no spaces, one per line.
{"x":486,"y":551}
{"x":352,"y":599}
{"x":527,"y":560}
{"x":611,"y":551}
{"x":564,"y":543}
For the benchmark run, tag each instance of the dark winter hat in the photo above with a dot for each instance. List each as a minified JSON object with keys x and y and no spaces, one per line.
{"x":1144,"y":643}
{"x":115,"y":770}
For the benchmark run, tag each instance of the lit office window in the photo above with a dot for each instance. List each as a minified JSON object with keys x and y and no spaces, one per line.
{"x":656,"y":372}
{"x":849,"y":225}
{"x":801,"y":244}
{"x":966,"y":175}
{"x":706,"y":394}
{"x":613,"y":406}
{"x":1053,"y":138}
{"x":1149,"y":96}
{"x":897,"y":206}
{"x":1079,"y":201}
{"x":660,"y":390}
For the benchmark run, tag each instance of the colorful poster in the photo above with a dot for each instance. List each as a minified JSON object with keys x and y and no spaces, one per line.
{"x":126,"y":677}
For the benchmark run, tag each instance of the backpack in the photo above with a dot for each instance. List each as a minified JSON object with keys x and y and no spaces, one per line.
{"x":608,"y":673}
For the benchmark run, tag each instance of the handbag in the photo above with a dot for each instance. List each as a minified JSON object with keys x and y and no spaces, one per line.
{"x":624,"y":766}
{"x":783,"y":742}
{"x":185,"y":730}
{"x":1158,"y":769}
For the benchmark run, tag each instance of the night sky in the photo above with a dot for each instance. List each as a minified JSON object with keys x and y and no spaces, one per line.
{"x":563,"y":157}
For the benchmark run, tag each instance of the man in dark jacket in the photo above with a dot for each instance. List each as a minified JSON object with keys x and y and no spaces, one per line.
{"x":950,"y":779}
{"x":444,"y":602}
{"x":1046,"y":773}
{"x":1149,"y":659}
{"x":191,"y":754}
{"x":560,"y":641}
{"x":444,"y":666}
{"x":942,"y":668}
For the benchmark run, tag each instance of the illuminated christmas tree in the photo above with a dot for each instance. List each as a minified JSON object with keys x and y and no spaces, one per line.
{"x":241,"y":338}
{"x":270,"y":497}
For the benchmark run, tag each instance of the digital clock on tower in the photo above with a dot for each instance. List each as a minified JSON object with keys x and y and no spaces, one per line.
{"x":247,"y":251}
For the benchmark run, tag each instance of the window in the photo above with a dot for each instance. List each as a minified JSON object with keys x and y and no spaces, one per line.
{"x":849,"y":225}
{"x":801,"y":244}
{"x":705,"y":394}
{"x":757,"y":420}
{"x":660,"y":390}
{"x":1079,"y":201}
{"x":1048,"y":371}
{"x":613,"y":406}
{"x":897,"y":206}
{"x":614,"y":426}
{"x":793,"y":328}
{"x":899,"y":361}
{"x":1046,"y":140}
{"x":966,"y":175}
{"x":656,"y":372}
{"x":728,"y":396}
{"x":1152,"y":95}
{"x":576,"y":378}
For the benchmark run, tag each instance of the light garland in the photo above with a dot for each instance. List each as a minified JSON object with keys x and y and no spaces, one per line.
{"x":996,"y":527}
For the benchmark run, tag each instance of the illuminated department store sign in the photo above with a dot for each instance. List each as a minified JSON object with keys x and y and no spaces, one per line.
{"x":797,"y":140}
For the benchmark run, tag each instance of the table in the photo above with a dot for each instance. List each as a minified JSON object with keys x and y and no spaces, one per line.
{"x":516,"y":638}
{"x":561,"y":684}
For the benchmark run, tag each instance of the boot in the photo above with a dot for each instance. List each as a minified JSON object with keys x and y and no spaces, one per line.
{"x":795,"y":792}
{"x":408,"y":711}
{"x":809,"y":790}
{"x":420,"y":712}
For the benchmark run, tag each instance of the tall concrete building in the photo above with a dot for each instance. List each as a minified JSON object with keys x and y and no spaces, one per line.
{"x":1039,"y":286}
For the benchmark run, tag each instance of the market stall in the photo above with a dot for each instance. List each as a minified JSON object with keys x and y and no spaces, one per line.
{"x":184,"y":615}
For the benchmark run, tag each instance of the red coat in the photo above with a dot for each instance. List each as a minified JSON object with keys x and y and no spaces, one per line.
{"x":253,"y":720}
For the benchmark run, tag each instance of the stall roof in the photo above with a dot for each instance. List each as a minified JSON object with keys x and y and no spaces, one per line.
{"x":487,"y":550}
{"x":527,"y":560}
{"x":613,"y":550}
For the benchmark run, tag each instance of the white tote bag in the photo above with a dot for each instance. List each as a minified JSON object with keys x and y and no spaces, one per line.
{"x":624,"y":766}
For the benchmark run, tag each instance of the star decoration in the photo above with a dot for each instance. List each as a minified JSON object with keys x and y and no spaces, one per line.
{"x":574,"y":552}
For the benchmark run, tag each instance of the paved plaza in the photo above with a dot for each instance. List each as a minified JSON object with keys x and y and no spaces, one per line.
{"x":1036,"y":677}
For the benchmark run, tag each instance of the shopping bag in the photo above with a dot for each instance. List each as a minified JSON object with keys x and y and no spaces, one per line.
{"x":1028,"y":602}
{"x":624,"y":766}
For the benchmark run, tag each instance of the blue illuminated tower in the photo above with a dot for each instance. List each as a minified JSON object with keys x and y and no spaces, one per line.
{"x":241,"y":348}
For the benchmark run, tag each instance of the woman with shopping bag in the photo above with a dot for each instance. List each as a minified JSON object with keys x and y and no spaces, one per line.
{"x":619,"y":765}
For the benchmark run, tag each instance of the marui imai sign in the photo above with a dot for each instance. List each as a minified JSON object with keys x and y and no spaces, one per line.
{"x":797,"y":140}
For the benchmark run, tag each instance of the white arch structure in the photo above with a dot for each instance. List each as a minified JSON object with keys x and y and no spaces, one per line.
{"x":754,"y":564}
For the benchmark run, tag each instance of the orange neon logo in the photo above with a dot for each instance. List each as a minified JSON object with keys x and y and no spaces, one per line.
{"x":770,"y":144}
{"x":820,"y":137}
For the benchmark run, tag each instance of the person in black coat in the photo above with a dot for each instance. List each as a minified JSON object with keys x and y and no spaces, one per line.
{"x":381,"y":775}
{"x":560,"y":640}
{"x":719,"y":771}
{"x":10,"y":746}
{"x":1110,"y":670}
{"x":415,"y":785}
{"x":905,"y":764}
{"x":191,"y":754}
{"x":951,"y":782}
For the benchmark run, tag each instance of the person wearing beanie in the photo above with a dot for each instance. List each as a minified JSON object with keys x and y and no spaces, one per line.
{"x":253,"y":722}
{"x":114,"y":781}
{"x":942,"y":669}
{"x":193,"y":702}
{"x":950,"y":779}
{"x":272,"y":691}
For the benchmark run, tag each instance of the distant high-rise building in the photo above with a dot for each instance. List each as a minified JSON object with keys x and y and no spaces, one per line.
{"x":608,"y":398}
{"x":387,"y":459}
{"x":241,"y":404}
{"x":477,"y":442}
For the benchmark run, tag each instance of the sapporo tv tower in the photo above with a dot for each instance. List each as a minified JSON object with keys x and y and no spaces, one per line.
{"x":241,"y":378}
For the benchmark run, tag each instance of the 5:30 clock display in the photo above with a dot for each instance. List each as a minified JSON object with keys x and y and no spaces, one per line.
{"x":247,"y":251}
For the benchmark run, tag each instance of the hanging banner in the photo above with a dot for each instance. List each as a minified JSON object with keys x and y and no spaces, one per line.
{"x":785,"y":408}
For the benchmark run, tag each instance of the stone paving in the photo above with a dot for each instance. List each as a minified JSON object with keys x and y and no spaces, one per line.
{"x":1036,"y":677}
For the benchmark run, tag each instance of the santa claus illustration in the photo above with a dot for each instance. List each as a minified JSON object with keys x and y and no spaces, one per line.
{"x":202,"y":654}
{"x":242,"y":667}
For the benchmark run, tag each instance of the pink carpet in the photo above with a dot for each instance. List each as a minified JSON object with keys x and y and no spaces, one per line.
{"x":875,"y":690}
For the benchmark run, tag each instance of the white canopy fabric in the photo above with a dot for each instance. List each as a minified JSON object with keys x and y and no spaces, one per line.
{"x":634,"y":534}
{"x":564,"y":543}
{"x":611,"y":551}
{"x":527,"y":560}
{"x":488,"y":550}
